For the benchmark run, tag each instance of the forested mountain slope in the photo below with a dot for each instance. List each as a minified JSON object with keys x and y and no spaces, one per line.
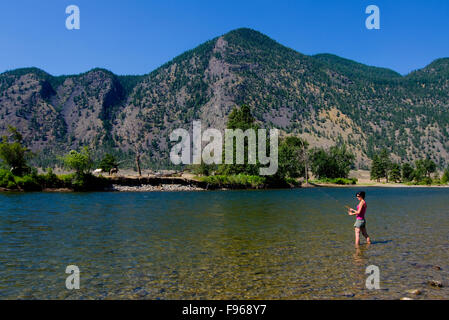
{"x":324,"y":98}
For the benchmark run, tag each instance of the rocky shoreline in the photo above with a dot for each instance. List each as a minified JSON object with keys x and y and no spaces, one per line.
{"x":176,"y":183}
{"x":149,"y":188}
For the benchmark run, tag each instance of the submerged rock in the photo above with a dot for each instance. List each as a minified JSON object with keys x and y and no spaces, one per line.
{"x":348,"y":294}
{"x":420,"y":265}
{"x":140,"y":292}
{"x":416,"y":292}
{"x":435,"y":283}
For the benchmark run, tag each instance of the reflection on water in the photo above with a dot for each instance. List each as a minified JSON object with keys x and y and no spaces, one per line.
{"x":276,"y":244}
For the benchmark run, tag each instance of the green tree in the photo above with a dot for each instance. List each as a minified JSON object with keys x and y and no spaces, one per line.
{"x":108,"y":162}
{"x":445,"y":177}
{"x":429,"y":167}
{"x":376,"y":173}
{"x":240,"y":118}
{"x":385,"y":164}
{"x":419,"y":173}
{"x":335,"y":163}
{"x":407,"y":172}
{"x":424,"y":168}
{"x":13,"y":153}
{"x":395,"y":172}
{"x":203,"y":169}
{"x":291,"y":158}
{"x":381,"y":166}
{"x":81,"y":161}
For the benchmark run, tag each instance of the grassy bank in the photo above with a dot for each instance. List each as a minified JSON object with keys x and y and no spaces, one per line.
{"x":426,"y":182}
{"x":239,"y":181}
{"x":339,"y":181}
{"x":49,"y":180}
{"x":243,"y":181}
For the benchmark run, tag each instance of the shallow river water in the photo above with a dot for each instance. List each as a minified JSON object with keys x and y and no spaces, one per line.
{"x":271,"y":244}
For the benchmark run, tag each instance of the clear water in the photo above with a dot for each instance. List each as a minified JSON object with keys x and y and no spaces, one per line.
{"x":275,"y":244}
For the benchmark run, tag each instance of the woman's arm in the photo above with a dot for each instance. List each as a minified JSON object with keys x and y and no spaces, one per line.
{"x":353,"y":212}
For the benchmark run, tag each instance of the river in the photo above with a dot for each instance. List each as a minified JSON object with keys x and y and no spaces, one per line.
{"x":267,"y":244}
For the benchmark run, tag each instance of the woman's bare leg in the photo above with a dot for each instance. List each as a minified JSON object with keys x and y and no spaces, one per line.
{"x":365,"y":234}
{"x":357,"y":236}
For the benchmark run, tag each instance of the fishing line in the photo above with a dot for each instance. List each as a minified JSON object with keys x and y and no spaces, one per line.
{"x":333,"y":198}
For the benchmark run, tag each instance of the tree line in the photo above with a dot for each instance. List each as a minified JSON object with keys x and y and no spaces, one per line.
{"x":16,"y":173}
{"x":422,"y":171}
{"x":295,"y":159}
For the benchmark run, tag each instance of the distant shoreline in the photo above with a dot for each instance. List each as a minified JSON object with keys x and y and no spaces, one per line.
{"x":178,"y":184}
{"x":382,"y":185}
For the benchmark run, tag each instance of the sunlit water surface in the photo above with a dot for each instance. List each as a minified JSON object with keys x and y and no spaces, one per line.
{"x":275,"y":244}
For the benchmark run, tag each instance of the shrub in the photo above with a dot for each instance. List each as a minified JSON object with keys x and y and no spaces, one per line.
{"x":108,"y":162}
{"x":240,"y":180}
{"x":81,"y":161}
{"x":425,"y":181}
{"x":7,"y":179}
{"x":445,"y":177}
{"x":13,"y":153}
{"x":67,"y":179}
{"x":28,"y":183}
{"x":50,"y":180}
{"x":88,"y":182}
{"x":292,"y":181}
{"x":203,"y":169}
{"x":341,"y":181}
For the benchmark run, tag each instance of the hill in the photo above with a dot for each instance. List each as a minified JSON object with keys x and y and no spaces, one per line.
{"x":324,"y":98}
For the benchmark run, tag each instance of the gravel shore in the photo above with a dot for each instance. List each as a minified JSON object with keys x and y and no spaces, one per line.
{"x":147,"y":188}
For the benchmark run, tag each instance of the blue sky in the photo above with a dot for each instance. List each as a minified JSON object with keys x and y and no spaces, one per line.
{"x":137,"y":36}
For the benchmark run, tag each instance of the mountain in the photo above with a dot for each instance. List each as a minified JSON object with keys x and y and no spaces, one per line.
{"x":324,"y":98}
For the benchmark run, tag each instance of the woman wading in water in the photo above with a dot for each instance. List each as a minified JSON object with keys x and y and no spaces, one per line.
{"x":360,"y":223}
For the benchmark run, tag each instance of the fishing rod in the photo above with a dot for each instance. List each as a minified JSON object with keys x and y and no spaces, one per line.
{"x":335,"y":199}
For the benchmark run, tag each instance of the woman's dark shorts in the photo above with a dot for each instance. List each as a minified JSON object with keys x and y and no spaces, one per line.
{"x":360,"y":223}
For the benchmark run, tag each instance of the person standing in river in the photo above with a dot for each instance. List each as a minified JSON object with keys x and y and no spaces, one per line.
{"x":360,"y":222}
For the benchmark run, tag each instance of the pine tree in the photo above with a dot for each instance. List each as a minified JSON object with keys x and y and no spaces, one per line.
{"x":445,"y":177}
{"x":381,"y":166}
{"x":385,"y":164}
{"x":375,"y":169}
{"x":395,"y":172}
{"x":407,"y":172}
